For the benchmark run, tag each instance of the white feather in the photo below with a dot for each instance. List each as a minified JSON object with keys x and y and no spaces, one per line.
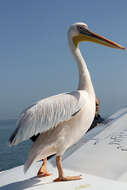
{"x":46,"y":114}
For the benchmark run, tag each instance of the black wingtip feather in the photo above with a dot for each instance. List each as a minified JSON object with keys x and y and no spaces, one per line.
{"x":12,"y":137}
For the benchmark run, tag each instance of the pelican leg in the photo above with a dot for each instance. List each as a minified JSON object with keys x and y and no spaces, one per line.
{"x":43,"y":170}
{"x":61,"y":173}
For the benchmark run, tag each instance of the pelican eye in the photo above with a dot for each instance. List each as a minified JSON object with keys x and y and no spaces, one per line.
{"x":80,"y":28}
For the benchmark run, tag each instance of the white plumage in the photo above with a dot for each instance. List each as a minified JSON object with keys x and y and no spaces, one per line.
{"x":47,"y":113}
{"x":65,"y":134}
{"x":63,"y":119}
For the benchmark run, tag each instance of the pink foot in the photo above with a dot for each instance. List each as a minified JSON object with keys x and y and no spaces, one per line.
{"x":43,"y":173}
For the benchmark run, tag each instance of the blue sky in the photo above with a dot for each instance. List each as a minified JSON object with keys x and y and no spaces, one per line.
{"x":35,"y":60}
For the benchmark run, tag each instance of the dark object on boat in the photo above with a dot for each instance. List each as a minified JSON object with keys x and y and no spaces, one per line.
{"x":97,"y":120}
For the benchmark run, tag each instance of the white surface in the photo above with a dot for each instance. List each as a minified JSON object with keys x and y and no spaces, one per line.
{"x":16,"y":180}
{"x":101,"y":158}
{"x":105,"y":154}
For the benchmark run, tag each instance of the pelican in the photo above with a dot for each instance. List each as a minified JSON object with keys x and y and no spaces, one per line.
{"x":60,"y":121}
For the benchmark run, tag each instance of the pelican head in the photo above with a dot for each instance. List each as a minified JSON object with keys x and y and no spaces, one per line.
{"x":79,"y":32}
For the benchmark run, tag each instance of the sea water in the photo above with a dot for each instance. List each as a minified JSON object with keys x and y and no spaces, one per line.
{"x":15,"y":155}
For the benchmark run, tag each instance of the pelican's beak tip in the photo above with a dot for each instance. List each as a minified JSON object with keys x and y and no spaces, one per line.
{"x":123,"y":48}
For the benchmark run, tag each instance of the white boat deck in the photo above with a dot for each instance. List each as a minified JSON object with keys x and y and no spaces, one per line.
{"x":100,"y":157}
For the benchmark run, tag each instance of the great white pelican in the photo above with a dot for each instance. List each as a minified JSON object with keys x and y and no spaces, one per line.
{"x":63,"y":119}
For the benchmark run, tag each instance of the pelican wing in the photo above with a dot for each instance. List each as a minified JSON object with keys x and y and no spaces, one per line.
{"x":46,"y":114}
